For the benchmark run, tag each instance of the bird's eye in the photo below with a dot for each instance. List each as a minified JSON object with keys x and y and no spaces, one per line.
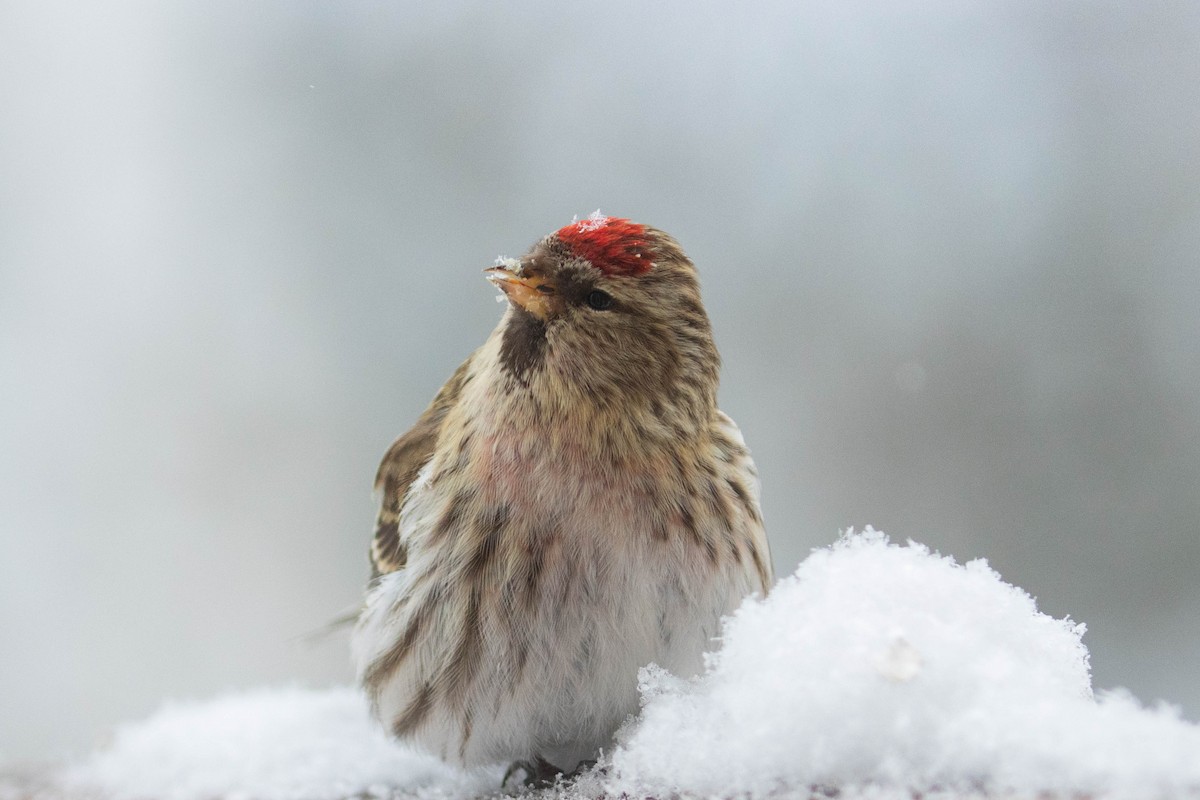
{"x":601,"y":301}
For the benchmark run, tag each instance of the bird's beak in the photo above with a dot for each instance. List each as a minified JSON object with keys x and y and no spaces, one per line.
{"x":531,"y":294}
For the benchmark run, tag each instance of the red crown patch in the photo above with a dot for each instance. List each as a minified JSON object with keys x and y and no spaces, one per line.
{"x":615,"y":246}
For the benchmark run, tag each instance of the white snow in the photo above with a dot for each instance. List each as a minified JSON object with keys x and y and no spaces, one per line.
{"x":877,"y":669}
{"x":594,"y":221}
{"x":888,"y":666}
{"x":272,"y":744}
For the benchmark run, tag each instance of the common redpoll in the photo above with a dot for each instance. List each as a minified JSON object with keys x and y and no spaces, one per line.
{"x":571,"y":507}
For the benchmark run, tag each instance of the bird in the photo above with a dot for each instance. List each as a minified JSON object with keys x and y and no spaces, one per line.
{"x":571,"y":507}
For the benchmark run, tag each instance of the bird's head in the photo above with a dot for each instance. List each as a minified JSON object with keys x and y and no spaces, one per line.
{"x":609,"y":310}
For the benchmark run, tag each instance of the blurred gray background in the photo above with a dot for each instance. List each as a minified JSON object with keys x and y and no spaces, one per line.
{"x":949,"y":250}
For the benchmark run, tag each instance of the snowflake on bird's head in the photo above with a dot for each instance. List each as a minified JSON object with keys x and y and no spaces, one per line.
{"x":615,"y":246}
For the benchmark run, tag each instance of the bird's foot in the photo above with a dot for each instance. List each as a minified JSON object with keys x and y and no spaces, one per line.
{"x":581,"y":767}
{"x":537,"y":772}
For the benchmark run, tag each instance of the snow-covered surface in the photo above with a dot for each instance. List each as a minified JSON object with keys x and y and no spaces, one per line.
{"x":272,"y":744}
{"x":889,"y":665}
{"x":878,"y":669}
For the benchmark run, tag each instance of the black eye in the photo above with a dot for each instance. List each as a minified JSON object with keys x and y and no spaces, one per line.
{"x":601,"y":301}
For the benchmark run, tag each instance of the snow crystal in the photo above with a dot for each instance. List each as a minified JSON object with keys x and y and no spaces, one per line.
{"x":878,"y":665}
{"x":278,"y":744}
{"x":594,"y":221}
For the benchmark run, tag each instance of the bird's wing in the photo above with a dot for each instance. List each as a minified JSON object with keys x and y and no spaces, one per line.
{"x":743,"y":480}
{"x":399,"y":468}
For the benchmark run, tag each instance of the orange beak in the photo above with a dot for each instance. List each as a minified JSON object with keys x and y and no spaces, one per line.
{"x":531,"y":294}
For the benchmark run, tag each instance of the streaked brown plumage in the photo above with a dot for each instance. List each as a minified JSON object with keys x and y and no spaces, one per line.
{"x":571,"y":506}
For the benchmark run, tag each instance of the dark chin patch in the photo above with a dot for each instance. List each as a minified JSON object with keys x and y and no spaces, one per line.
{"x":523,"y":344}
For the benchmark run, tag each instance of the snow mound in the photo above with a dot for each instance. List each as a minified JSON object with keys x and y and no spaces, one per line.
{"x":879,"y":666}
{"x":275,"y":744}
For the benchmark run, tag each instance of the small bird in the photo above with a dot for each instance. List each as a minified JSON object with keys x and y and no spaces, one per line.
{"x":570,"y":507}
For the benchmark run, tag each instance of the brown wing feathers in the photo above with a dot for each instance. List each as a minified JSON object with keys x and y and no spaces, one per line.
{"x":399,"y":469}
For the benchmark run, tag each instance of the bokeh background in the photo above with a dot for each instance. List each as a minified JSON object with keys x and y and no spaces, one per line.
{"x":949,"y":250}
